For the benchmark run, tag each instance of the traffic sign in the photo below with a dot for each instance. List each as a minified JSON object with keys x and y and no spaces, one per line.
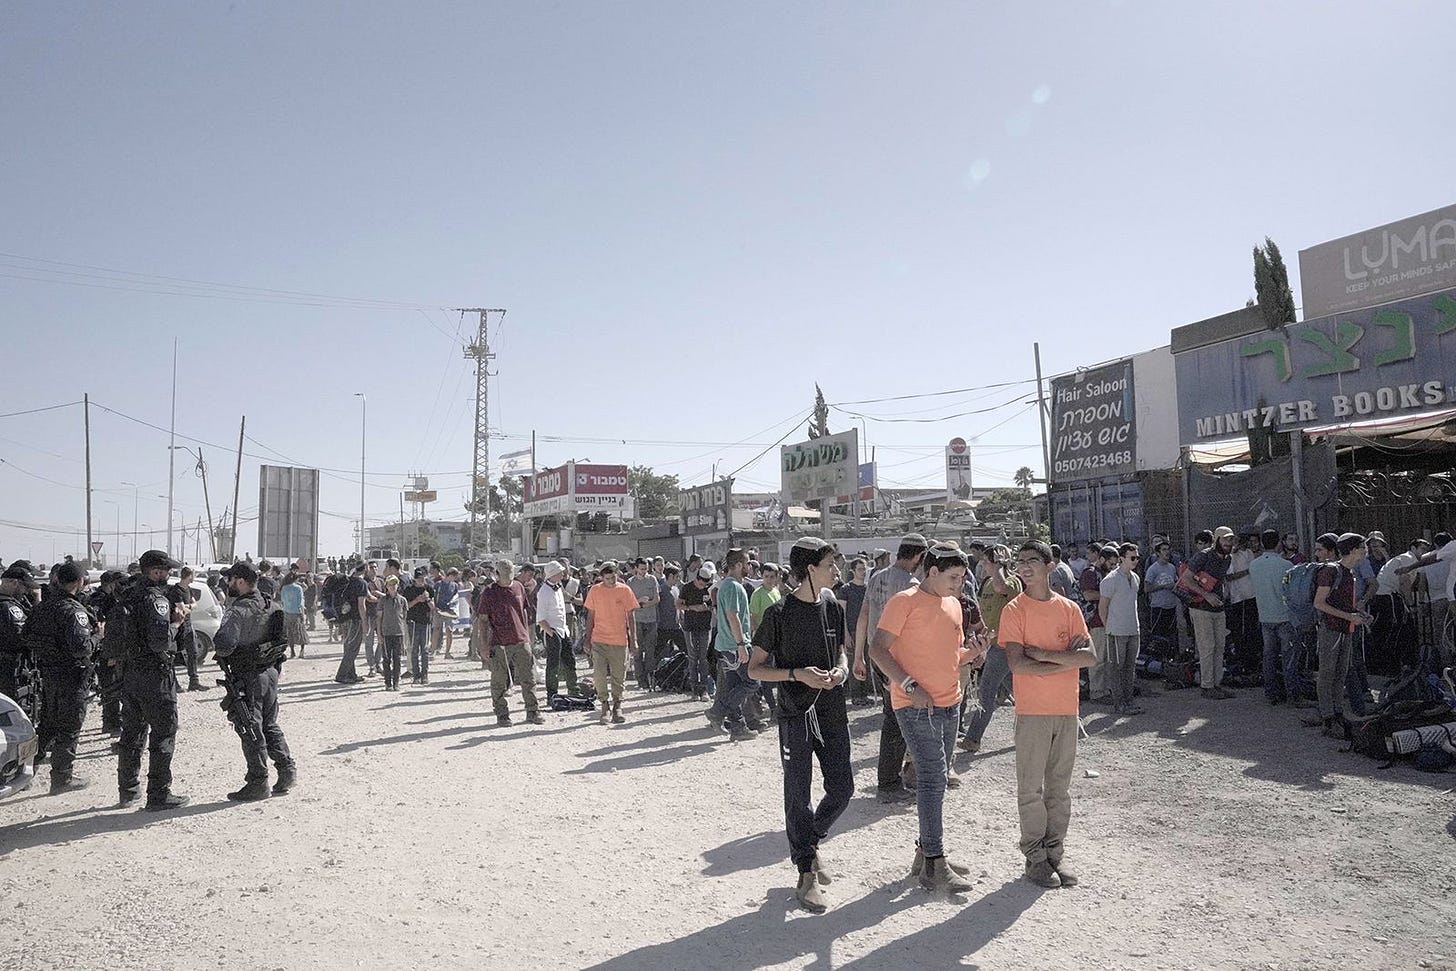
{"x":95,"y":546}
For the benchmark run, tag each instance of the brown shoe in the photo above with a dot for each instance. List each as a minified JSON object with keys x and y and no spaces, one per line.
{"x":809,"y":894}
{"x":816,"y":867}
{"x":937,"y":876}
{"x":917,"y":866}
{"x":1042,"y":874}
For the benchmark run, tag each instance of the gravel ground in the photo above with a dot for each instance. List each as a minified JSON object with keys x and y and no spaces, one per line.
{"x":1213,"y":835}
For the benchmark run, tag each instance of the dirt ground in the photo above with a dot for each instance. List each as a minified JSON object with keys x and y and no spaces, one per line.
{"x":1214,"y":835}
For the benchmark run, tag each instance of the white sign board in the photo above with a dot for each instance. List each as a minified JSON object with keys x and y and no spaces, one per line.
{"x":821,"y":468}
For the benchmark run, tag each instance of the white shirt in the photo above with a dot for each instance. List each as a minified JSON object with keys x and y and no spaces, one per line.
{"x":1243,"y":588}
{"x":1388,"y":581}
{"x":1445,"y":559}
{"x":1120,"y":589}
{"x":551,"y":608}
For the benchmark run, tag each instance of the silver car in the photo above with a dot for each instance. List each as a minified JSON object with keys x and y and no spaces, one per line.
{"x":18,"y":746}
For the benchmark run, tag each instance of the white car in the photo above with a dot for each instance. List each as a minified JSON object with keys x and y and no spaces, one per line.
{"x":18,"y":746}
{"x":206,"y":616}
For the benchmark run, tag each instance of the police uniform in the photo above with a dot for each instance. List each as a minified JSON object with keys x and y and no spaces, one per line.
{"x":108,"y":676}
{"x":250,"y":646}
{"x":14,"y":610}
{"x":61,"y":636}
{"x":149,"y":690}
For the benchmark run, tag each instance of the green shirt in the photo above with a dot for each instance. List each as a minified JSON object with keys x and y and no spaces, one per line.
{"x":732,"y":599}
{"x":762,"y":599}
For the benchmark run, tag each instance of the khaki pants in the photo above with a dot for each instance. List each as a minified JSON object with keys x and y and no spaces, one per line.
{"x":1440,"y":616}
{"x":512,"y":662}
{"x":609,"y":669}
{"x":1046,"y":748}
{"x":1099,"y":686}
{"x":1210,"y":630}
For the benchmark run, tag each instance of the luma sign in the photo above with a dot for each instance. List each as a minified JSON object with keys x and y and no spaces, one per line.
{"x":1402,"y":259}
{"x":1380,"y":362}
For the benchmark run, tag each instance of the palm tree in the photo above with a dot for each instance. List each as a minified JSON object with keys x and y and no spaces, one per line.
{"x":1024,"y":477}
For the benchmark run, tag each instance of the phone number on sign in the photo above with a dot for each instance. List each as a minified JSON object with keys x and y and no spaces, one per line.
{"x":1084,"y":463}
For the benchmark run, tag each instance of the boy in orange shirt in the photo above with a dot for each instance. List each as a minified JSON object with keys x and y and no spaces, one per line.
{"x":1046,"y":642}
{"x":919,"y":648}
{"x":612,"y":635}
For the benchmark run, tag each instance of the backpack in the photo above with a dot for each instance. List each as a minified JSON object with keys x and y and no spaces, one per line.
{"x":329,"y":597}
{"x":125,"y":637}
{"x":1372,"y":735}
{"x":1297,"y":588}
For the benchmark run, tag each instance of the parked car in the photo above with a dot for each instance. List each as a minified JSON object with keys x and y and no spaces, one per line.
{"x":206,"y":616}
{"x":18,"y":746}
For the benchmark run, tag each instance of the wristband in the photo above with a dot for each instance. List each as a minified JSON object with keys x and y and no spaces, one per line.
{"x":791,"y":675}
{"x":909,"y":684}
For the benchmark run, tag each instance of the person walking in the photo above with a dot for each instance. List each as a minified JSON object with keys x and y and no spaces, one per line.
{"x":919,"y":646}
{"x":1046,"y":641}
{"x":352,"y":611}
{"x":733,"y":629}
{"x":611,"y":634}
{"x":800,"y":644}
{"x":697,"y":621}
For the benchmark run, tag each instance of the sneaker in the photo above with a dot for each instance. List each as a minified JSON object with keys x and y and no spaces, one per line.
{"x":1067,"y":875}
{"x":164,"y":803}
{"x":59,"y":786}
{"x":968,"y":744}
{"x":937,"y":876}
{"x":535,"y":718}
{"x":252,"y":791}
{"x":741,"y":733}
{"x":756,"y":725}
{"x":502,"y":721}
{"x":1043,"y":875}
{"x":809,"y":895}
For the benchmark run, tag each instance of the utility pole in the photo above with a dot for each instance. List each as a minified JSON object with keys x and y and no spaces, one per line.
{"x":172,"y":456}
{"x":479,"y":351}
{"x":207,"y":503}
{"x":237,"y":481}
{"x":86,"y":403}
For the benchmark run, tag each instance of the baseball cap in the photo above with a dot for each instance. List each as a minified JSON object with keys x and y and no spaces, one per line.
{"x":241,"y":571}
{"x":1221,"y":532}
{"x":155,"y":558}
{"x":706,"y":572}
{"x":21,"y":570}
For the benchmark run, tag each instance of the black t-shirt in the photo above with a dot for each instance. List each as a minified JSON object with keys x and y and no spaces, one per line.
{"x":691,"y":596}
{"x":853,"y":595}
{"x":420,"y":612}
{"x":356,"y":589}
{"x":1216,"y":566}
{"x":795,"y":634}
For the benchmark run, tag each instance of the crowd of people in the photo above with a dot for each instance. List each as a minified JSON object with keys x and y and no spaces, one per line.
{"x":938,"y":636}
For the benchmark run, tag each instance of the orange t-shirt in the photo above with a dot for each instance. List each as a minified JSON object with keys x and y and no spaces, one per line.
{"x":1050,"y":625}
{"x":611,"y":607}
{"x":927,"y":644}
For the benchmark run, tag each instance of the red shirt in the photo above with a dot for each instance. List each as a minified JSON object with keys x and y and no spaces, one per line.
{"x":504,"y":608}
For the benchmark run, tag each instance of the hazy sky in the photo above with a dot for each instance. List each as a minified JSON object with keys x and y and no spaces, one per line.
{"x":692,"y":213}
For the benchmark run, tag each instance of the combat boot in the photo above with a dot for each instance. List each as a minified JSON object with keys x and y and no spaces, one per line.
{"x":195,"y":685}
{"x":938,"y":876}
{"x":252,"y":791}
{"x":286,"y":780}
{"x":67,"y":785}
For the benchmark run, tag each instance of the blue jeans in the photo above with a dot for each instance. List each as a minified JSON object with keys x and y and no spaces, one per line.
{"x":419,"y":649}
{"x":734,"y":688}
{"x":930,"y":738}
{"x":1357,"y":681}
{"x":1281,"y":662}
{"x":993,"y":675}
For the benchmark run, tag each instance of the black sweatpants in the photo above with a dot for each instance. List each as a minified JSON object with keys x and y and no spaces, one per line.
{"x":149,"y":707}
{"x":807,"y":825}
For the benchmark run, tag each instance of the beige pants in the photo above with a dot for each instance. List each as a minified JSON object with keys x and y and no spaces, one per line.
{"x":1210,"y":630}
{"x":507,"y":663}
{"x":1046,"y":748}
{"x":1098,"y":684}
{"x":609,"y":669}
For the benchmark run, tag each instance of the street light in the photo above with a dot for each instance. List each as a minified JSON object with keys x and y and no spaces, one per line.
{"x":363,"y":434}
{"x":134,"y":526}
{"x":118,"y":528}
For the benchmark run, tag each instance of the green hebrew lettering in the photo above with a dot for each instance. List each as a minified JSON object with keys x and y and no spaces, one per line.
{"x":1275,"y":346}
{"x":1338,"y":357}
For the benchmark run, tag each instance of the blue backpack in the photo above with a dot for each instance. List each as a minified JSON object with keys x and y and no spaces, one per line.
{"x":1298,"y":586}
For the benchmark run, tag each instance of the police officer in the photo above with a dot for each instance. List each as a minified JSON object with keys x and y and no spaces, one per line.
{"x":61,"y":636}
{"x":103,"y":598}
{"x":17,"y":588}
{"x":149,"y":690}
{"x":250,"y":647}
